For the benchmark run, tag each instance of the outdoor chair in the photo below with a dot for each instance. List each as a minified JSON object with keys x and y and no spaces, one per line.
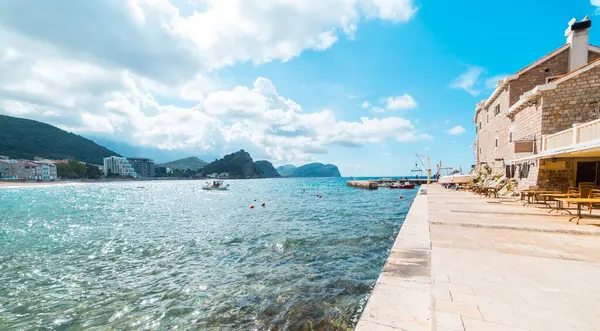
{"x":594,"y":193}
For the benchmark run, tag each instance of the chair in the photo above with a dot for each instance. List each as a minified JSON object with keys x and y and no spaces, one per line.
{"x":572,"y":190}
{"x":584,"y":188}
{"x":594,"y":193}
{"x":494,"y":190}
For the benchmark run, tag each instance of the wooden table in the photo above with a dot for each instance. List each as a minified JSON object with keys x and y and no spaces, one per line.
{"x":579,"y":202}
{"x":532,"y":193}
{"x":559,"y":204}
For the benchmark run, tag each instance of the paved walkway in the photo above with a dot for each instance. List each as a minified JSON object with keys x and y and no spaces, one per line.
{"x":497,"y":265}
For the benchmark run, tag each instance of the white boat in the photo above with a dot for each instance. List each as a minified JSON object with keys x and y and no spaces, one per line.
{"x":215,"y":185}
{"x":456,"y":179}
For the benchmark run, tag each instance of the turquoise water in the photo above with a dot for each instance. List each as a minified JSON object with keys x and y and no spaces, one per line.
{"x":160,"y":255}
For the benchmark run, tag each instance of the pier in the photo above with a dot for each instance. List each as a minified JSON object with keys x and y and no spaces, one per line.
{"x":385,"y":182}
{"x":364,"y":184}
{"x":465,"y":263}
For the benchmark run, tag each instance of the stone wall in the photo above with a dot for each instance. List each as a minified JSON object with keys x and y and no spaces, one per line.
{"x":524,"y":125}
{"x":571,"y":102}
{"x":557,"y":179}
{"x":593,"y":56}
{"x":493,"y":126}
{"x":556,"y":65}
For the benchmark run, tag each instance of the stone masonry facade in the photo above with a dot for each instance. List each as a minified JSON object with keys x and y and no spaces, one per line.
{"x":552,"y":111}
{"x":571,"y":102}
{"x":555,"y":66}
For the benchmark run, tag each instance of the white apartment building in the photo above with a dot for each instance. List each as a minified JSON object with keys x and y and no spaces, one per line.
{"x":118,"y":166}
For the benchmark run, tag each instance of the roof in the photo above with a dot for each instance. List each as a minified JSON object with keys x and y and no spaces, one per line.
{"x":529,"y":95}
{"x":543,"y":59}
{"x":502,"y":84}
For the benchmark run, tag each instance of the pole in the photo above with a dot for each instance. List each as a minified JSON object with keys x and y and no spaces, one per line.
{"x":428,"y":171}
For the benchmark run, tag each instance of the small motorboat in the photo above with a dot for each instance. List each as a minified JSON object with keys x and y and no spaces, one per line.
{"x":215,"y":185}
{"x":405,"y":185}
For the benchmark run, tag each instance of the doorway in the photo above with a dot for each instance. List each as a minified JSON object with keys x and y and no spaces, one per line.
{"x":588,"y":172}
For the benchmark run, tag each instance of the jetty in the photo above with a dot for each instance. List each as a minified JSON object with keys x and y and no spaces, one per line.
{"x":464,"y":262}
{"x":364,"y":184}
{"x":385,"y":182}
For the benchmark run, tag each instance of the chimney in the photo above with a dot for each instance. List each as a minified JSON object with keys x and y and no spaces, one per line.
{"x":578,"y":39}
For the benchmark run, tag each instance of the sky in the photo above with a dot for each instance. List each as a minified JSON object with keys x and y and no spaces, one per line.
{"x":363,"y":84}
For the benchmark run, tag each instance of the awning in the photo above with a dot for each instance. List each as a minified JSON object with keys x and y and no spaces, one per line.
{"x":587,"y":149}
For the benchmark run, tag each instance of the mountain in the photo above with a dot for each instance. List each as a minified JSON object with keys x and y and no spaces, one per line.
{"x":266,"y":169}
{"x":286,"y":170}
{"x":25,"y":139}
{"x":158,"y":155}
{"x":316,"y":170}
{"x":237,"y":165}
{"x":191,"y":163}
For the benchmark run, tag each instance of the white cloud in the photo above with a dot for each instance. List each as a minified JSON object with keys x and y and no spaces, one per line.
{"x":157,"y":38}
{"x":378,"y":110}
{"x":467,"y":81}
{"x":456,"y":130}
{"x":474,"y":81}
{"x":491,"y":82}
{"x":133,"y":69}
{"x":366,"y":104}
{"x":404,"y":101}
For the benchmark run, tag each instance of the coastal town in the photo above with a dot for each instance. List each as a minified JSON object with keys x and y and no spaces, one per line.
{"x":45,"y":170}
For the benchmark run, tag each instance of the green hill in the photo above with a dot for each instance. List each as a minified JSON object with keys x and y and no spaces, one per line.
{"x":237,"y":165}
{"x":286,"y":170}
{"x":25,"y":139}
{"x":191,"y":163}
{"x":316,"y":170}
{"x":266,"y":169}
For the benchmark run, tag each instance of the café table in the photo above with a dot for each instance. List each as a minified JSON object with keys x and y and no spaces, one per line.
{"x":579,"y":202}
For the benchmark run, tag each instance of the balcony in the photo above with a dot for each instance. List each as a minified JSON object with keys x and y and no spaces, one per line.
{"x":578,"y":134}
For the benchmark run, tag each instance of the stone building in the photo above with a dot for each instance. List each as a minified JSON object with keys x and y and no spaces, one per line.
{"x":541,"y":124}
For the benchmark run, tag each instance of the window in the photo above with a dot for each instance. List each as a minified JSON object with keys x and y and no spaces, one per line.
{"x":496,"y":143}
{"x":479,"y":125}
{"x":487,"y":118}
{"x":510,"y":137}
{"x":497,"y":110}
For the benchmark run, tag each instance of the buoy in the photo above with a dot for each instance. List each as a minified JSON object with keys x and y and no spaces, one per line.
{"x":263,"y":204}
{"x":400,"y":197}
{"x":251,"y":207}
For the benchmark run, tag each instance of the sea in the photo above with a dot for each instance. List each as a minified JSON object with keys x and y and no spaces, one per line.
{"x":268,"y":254}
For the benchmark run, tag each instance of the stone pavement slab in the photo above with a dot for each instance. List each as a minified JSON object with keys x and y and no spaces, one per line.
{"x":501,"y":266}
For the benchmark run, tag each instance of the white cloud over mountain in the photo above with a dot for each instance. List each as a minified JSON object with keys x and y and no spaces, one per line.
{"x":131,"y":69}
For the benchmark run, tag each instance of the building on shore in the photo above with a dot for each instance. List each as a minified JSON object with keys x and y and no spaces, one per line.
{"x":115,"y":165}
{"x":542,"y":124}
{"x":144,"y":167}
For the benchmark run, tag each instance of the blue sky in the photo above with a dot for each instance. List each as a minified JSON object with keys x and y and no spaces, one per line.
{"x":363,"y":84}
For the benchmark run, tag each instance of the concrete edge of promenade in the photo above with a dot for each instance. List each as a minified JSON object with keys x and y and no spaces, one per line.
{"x":402,"y":297}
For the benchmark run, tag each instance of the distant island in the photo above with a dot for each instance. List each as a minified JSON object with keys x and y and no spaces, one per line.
{"x":73,"y":155}
{"x":309,"y":170}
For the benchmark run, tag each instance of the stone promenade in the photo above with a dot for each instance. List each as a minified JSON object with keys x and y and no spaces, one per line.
{"x":467,"y":263}
{"x":497,"y":265}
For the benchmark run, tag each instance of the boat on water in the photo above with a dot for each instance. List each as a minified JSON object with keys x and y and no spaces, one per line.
{"x":405,"y":185}
{"x":215,"y":185}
